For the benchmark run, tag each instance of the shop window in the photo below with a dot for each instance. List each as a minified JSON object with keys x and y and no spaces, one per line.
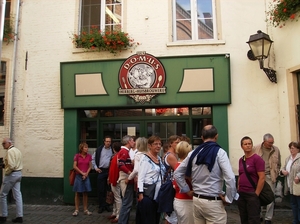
{"x":201,"y":111}
{"x":194,"y":20}
{"x":173,"y":111}
{"x":2,"y":90}
{"x":88,"y":134}
{"x":197,"y":125}
{"x":105,"y":14}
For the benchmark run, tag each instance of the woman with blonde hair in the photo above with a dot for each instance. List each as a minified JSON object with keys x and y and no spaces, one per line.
{"x":83,"y":165}
{"x":183,"y":203}
{"x":141,"y":145}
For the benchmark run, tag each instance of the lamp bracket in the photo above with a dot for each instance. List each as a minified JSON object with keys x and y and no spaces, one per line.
{"x":251,"y":56}
{"x":271,"y":74}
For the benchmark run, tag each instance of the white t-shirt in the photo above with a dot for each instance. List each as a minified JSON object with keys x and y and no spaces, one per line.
{"x":132,"y":153}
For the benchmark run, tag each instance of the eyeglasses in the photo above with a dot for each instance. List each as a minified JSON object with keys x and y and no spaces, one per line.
{"x":156,"y":144}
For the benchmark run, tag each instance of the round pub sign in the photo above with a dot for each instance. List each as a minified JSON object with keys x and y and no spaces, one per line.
{"x":141,"y":77}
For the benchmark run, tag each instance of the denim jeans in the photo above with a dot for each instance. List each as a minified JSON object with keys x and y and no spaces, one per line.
{"x":127,"y":201}
{"x":295,"y":204}
{"x":11,"y":182}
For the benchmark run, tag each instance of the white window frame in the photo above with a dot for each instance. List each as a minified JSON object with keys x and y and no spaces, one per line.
{"x":194,"y":21}
{"x":103,"y":10}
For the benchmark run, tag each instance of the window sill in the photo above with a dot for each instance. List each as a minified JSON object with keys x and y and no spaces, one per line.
{"x":81,"y":50}
{"x":195,"y":43}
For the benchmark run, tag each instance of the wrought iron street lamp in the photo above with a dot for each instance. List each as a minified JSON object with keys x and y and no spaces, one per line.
{"x":260,"y":45}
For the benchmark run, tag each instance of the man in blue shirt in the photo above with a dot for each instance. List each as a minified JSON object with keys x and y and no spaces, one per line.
{"x":208,"y":166}
{"x":100,"y":161}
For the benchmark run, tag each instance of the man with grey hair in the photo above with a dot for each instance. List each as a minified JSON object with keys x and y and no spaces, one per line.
{"x":209,"y":168}
{"x":271,"y":155}
{"x":126,"y":167}
{"x":11,"y":181}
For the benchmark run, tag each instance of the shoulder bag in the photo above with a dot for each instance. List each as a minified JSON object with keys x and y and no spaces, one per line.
{"x":166,"y":194}
{"x":72,"y":175}
{"x":266,"y":195}
{"x":109,"y":195}
{"x":296,"y":189}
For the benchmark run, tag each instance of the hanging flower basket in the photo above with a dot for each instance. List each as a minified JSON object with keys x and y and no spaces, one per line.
{"x":281,"y":11}
{"x":97,"y":40}
{"x":8,"y":32}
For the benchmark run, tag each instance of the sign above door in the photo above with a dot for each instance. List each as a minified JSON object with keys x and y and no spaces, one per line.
{"x":141,"y":77}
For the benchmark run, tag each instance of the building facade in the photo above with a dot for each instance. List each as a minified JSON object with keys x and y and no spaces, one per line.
{"x":188,"y":68}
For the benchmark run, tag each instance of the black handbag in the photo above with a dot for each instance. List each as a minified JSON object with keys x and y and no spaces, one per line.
{"x":149,"y":190}
{"x":266,"y":195}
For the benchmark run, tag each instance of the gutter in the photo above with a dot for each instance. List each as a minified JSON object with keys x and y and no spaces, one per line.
{"x":14,"y":62}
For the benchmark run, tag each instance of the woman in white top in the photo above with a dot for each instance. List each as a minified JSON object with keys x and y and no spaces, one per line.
{"x":151,"y":172}
{"x":291,"y":171}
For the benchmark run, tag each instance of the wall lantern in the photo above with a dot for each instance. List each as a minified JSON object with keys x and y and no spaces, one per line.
{"x":260,"y":45}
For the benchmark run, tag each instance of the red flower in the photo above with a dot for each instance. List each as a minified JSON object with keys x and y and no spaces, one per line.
{"x":293,"y":16}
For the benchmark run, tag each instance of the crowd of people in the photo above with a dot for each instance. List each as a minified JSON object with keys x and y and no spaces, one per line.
{"x":135,"y":170}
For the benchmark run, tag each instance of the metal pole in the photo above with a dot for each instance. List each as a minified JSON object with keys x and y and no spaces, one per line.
{"x":2,"y":18}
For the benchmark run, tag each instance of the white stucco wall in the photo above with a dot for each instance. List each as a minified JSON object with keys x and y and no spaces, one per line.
{"x":258,"y":106}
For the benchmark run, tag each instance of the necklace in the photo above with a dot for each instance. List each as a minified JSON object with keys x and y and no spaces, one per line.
{"x":154,"y":158}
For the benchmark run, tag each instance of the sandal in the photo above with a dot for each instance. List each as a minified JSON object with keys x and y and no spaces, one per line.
{"x":75,"y":213}
{"x":87,"y":212}
{"x":114,"y":220}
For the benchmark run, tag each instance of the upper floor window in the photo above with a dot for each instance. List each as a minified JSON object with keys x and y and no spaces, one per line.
{"x":194,"y":20}
{"x":7,"y":9}
{"x":105,"y":14}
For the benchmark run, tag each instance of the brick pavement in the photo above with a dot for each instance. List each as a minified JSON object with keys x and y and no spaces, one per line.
{"x":62,"y":214}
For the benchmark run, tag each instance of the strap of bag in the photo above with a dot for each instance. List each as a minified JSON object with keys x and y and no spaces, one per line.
{"x":247,"y":174}
{"x":77,"y":154}
{"x":155,"y":163}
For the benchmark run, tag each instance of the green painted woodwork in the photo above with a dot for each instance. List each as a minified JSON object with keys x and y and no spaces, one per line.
{"x":220,"y":121}
{"x":71,"y":141}
{"x":174,"y":67}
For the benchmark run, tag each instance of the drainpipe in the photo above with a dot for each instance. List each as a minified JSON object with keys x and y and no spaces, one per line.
{"x":2,"y":18}
{"x":14,"y":62}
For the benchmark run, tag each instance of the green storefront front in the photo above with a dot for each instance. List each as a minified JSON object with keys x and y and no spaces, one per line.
{"x":142,"y":95}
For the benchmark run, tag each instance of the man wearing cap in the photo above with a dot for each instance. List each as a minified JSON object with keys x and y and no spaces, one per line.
{"x":11,"y":181}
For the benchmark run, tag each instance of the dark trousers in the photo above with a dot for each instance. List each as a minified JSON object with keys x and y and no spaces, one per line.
{"x":146,"y":212}
{"x":249,"y":207}
{"x":102,"y":188}
{"x":295,"y":204}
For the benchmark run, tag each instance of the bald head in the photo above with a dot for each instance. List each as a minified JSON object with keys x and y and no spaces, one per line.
{"x":209,"y":132}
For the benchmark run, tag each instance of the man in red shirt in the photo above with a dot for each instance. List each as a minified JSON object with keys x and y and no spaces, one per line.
{"x":125,"y":167}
